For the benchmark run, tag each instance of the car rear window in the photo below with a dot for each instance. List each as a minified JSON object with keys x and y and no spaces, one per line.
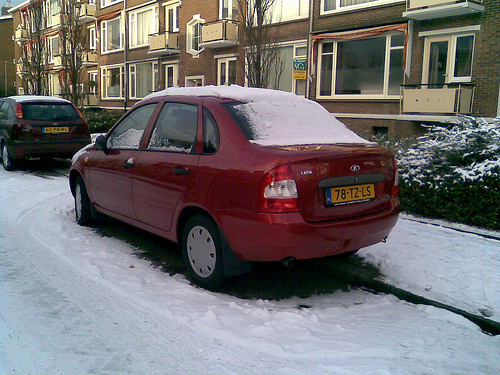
{"x":239,"y":117}
{"x":49,"y":111}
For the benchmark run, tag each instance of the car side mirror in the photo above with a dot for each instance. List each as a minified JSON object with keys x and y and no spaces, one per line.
{"x":101,"y":143}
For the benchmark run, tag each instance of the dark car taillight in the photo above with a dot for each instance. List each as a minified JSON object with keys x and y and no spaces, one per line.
{"x":18,"y":109}
{"x":278,"y":191}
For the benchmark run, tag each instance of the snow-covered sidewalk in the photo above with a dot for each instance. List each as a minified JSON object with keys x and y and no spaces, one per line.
{"x":71,"y":304}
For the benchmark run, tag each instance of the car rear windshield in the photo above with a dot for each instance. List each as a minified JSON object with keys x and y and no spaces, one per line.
{"x":49,"y":111}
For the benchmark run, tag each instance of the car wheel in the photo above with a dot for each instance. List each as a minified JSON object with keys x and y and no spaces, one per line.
{"x":202,"y":251}
{"x":82,"y":203}
{"x":7,"y":161}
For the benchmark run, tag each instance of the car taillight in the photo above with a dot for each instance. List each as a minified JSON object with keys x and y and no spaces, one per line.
{"x":18,"y":109}
{"x":395,"y":187}
{"x":278,"y":191}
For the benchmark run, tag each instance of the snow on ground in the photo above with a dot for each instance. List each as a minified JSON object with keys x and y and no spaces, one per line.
{"x":71,"y":304}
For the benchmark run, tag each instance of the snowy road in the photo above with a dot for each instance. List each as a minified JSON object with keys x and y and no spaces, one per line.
{"x":70,"y":303}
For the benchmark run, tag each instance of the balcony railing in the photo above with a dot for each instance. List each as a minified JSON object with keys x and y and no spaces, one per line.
{"x":89,"y":58}
{"x":87,"y":12}
{"x":431,"y":9}
{"x":218,"y":34}
{"x":165,"y":43}
{"x":446,"y":99}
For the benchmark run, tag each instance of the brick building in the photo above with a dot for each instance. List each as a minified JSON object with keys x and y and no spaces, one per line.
{"x":381,"y":66}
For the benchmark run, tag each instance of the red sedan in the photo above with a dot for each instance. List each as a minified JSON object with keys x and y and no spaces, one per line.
{"x":238,"y":175}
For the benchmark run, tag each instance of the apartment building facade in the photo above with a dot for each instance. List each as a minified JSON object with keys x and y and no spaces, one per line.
{"x":381,"y":66}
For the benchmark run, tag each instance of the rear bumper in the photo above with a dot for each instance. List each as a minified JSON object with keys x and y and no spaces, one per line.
{"x":61,"y":149}
{"x":273,"y":237}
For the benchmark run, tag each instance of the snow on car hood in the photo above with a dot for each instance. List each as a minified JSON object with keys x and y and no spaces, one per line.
{"x":277,"y":118}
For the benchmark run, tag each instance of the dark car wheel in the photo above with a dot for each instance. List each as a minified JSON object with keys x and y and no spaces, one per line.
{"x":202,"y":252}
{"x":82,"y":203}
{"x":7,"y":161}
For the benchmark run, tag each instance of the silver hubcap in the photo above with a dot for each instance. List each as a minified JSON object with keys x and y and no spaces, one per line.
{"x":5,"y":155}
{"x":78,"y":201}
{"x":201,"y":251}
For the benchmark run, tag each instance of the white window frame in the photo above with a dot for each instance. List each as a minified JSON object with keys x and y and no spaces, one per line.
{"x":451,"y":55}
{"x":54,"y":47}
{"x":301,"y":7}
{"x":54,"y":85}
{"x":189,"y":80}
{"x":104,"y":35}
{"x":195,"y":21}
{"x":385,"y":87}
{"x":104,"y":81}
{"x":343,"y":8}
{"x":133,"y":78}
{"x":174,"y":7}
{"x":107,"y":3}
{"x":296,"y":55}
{"x":224,"y":59}
{"x":92,"y":38}
{"x":93,"y":77}
{"x":175,"y":74}
{"x":133,"y":30}
{"x":53,"y":13}
{"x":231,"y":14}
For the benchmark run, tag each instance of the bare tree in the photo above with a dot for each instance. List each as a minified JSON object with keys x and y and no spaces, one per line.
{"x":263,"y":64}
{"x":34,"y":50}
{"x":73,"y":47}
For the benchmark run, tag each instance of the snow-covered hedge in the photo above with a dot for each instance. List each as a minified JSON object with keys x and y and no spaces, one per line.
{"x":454,"y":173}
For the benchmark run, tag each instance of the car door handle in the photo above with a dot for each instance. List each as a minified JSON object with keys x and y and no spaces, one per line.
{"x":180,"y":171}
{"x":129,"y":163}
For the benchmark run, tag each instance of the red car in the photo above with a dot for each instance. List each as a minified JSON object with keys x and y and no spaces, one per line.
{"x":238,"y":175}
{"x":34,"y":126}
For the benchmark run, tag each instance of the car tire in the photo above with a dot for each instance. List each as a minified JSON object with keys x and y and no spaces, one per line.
{"x":202,"y":252}
{"x":7,"y":161}
{"x":83,"y":206}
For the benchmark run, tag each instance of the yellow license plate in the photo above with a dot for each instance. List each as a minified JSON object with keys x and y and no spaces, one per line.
{"x":56,"y":129}
{"x":338,"y":196}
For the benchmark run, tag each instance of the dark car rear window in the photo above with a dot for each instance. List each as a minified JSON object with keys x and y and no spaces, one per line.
{"x":49,"y":111}
{"x":240,"y":118}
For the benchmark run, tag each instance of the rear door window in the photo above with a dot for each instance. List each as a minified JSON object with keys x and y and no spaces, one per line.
{"x":175,"y":129}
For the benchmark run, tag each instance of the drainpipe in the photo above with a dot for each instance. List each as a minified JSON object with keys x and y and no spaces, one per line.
{"x":309,"y":49}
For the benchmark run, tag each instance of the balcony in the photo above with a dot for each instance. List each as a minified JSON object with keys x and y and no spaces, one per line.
{"x":89,"y":58}
{"x":219,"y":34}
{"x":58,"y":62}
{"x":87,"y":12}
{"x":21,"y":34}
{"x":20,"y":68}
{"x":430,"y":9}
{"x":166,"y":43}
{"x":447,"y":99}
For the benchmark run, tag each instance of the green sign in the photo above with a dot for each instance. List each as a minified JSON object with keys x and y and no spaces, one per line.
{"x":299,"y":64}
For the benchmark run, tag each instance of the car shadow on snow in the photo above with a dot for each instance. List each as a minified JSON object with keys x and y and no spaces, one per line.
{"x":44,"y":168}
{"x":268,"y":280}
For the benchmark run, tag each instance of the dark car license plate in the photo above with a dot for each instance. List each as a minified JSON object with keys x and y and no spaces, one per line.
{"x":337,"y":196}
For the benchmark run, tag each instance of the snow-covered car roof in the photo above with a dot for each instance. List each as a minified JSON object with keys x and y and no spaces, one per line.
{"x":277,"y":118}
{"x":35,"y":98}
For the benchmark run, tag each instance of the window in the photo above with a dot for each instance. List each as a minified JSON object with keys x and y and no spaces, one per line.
{"x":210,"y":133}
{"x":171,"y":75}
{"x":92,"y":38}
{"x":53,"y":13}
{"x":448,"y":59}
{"x":285,"y":10}
{"x":328,"y":6}
{"x":193,"y":35}
{"x":54,"y":49}
{"x":175,"y":129}
{"x":142,"y":79}
{"x":105,"y":3}
{"x":54,"y":85}
{"x":112,"y":82}
{"x":226,"y":71}
{"x":172,"y":17}
{"x":370,"y":67}
{"x":228,"y":9}
{"x":111,"y":39}
{"x":92,"y":84}
{"x":142,"y":23}
{"x":128,"y":133}
{"x":195,"y":81}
